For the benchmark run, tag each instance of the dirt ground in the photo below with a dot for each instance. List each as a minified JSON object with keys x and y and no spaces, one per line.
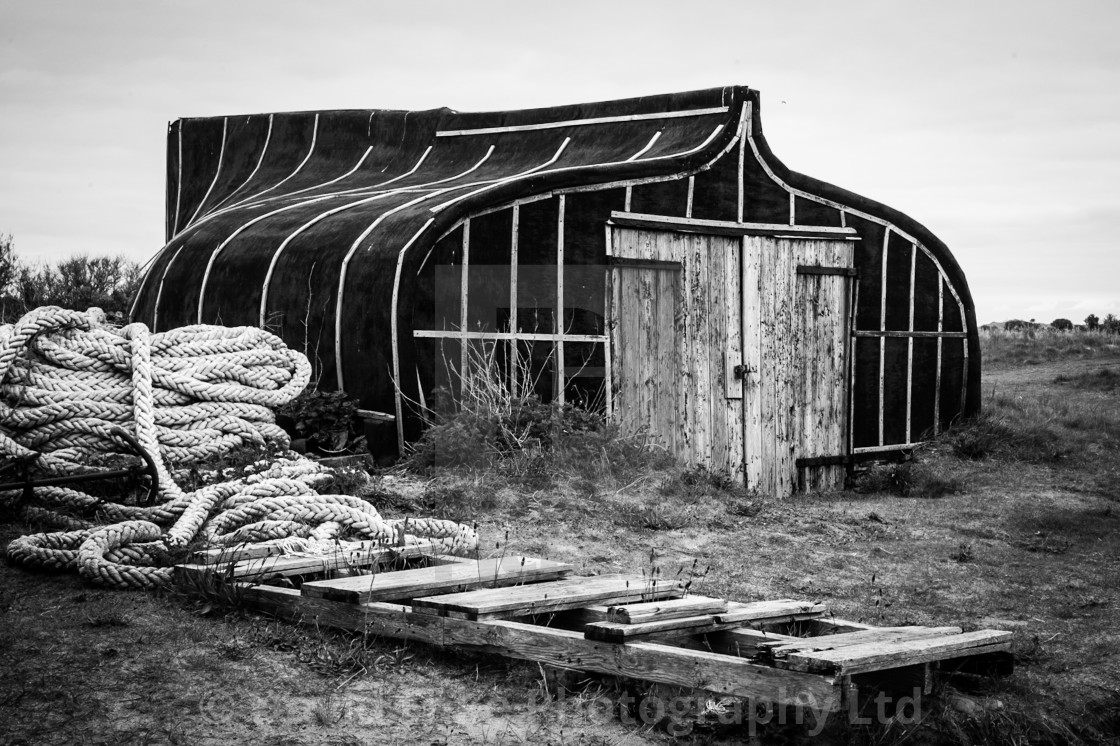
{"x":1029,"y":547}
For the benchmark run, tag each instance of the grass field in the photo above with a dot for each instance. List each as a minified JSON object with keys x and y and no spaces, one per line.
{"x":1009,"y":522}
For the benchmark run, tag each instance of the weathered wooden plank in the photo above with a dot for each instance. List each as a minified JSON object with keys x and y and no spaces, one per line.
{"x":723,"y":340}
{"x":743,"y":642}
{"x":721,"y":674}
{"x":379,"y":619}
{"x":576,"y":618}
{"x":714,"y":341}
{"x":752,"y":361}
{"x":861,"y":637}
{"x":727,"y":227}
{"x":785,"y":368}
{"x":543,"y":598}
{"x":874,"y":656}
{"x":832,"y":625}
{"x":240,"y":552}
{"x":805,"y":315}
{"x":768,"y":365}
{"x":646,"y":661}
{"x":770,"y":611}
{"x":275,"y":566}
{"x":685,"y":377}
{"x":835,"y":382}
{"x":699,"y":354}
{"x":665,"y":359}
{"x":620,"y":632}
{"x":425,"y":581}
{"x":448,"y":559}
{"x":669,"y":609}
{"x":842,"y":357}
{"x":822,"y":302}
{"x":830,"y":394}
{"x":645,"y":348}
{"x":733,"y":324}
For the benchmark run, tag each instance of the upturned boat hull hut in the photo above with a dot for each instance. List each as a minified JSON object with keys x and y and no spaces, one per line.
{"x":649,"y":256}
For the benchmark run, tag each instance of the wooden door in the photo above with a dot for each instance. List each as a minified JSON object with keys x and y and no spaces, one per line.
{"x":646,"y":352}
{"x":796,"y":329}
{"x":674,"y":314}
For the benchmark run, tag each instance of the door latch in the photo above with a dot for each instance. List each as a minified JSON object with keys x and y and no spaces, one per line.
{"x":740,"y":371}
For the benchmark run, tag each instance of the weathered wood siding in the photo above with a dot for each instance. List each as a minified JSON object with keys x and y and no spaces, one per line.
{"x":675,"y":341}
{"x":799,"y":374}
{"x":687,"y":309}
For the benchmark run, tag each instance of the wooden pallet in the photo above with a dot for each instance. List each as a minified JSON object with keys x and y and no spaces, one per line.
{"x":621,"y":625}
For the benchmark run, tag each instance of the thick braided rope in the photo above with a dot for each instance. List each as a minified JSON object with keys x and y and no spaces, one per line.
{"x":200,"y":391}
{"x":188,"y":395}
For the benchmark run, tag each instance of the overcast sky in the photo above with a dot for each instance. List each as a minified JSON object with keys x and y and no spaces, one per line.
{"x":995,"y":124}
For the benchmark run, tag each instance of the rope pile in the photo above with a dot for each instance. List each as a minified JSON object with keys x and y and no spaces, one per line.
{"x":189,"y":396}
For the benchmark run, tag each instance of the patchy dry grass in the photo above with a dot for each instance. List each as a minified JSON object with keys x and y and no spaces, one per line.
{"x":1023,"y":535}
{"x":1028,"y":347}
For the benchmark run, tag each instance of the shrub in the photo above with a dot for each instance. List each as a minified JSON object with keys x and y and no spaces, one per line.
{"x":78,"y":282}
{"x":531,"y":442}
{"x":325,"y":416}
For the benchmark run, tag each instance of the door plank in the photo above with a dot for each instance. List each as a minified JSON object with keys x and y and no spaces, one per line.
{"x":825,"y":643}
{"x":752,"y":360}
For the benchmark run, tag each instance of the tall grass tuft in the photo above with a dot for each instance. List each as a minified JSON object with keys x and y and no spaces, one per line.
{"x":494,"y":425}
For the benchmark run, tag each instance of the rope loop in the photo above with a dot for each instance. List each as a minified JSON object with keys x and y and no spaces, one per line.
{"x":189,"y":396}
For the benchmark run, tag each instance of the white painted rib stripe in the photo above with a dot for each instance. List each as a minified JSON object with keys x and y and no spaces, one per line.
{"x":323,"y":216}
{"x":342,"y":280}
{"x":359,"y":190}
{"x":393,"y":330}
{"x":302,"y":203}
{"x":260,"y":160}
{"x":620,"y":183}
{"x":583,"y":122}
{"x":221,"y":247}
{"x":159,"y":292}
{"x":741,"y":196}
{"x":306,"y":158}
{"x":332,"y":181}
{"x":217,"y":171}
{"x":643,"y":151}
{"x":508,"y":179}
{"x":518,"y":177}
{"x":179,"y":181}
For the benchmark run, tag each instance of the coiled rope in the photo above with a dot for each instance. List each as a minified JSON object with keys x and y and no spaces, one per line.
{"x":189,"y":396}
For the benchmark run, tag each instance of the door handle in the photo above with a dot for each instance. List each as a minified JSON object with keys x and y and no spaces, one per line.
{"x":740,"y":371}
